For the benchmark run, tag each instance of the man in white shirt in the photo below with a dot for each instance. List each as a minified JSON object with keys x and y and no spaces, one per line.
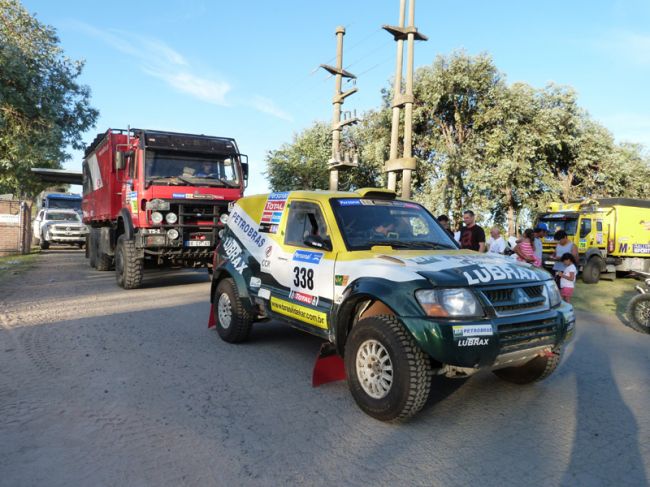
{"x":496,"y":243}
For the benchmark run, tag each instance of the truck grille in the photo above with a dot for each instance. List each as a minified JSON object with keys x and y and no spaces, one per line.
{"x":521,"y":336}
{"x":516,"y":300}
{"x":198,"y":220}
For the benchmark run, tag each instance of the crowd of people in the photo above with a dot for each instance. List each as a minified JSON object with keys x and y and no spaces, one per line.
{"x":526,"y":248}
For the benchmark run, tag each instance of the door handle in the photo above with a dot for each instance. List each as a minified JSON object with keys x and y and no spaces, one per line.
{"x":283,"y":258}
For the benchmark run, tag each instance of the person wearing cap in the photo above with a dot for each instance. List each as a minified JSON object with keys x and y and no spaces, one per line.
{"x":540,"y":232}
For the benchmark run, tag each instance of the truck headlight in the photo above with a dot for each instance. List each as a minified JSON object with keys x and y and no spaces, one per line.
{"x":552,"y":293}
{"x":452,"y":302}
{"x":156,"y":217}
{"x":224,"y":218}
{"x":172,"y":234}
{"x":171,"y":218}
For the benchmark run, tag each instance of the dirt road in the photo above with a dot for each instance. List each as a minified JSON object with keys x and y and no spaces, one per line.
{"x":101,"y":386}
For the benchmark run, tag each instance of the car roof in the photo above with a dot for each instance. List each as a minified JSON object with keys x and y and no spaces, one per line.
{"x":61,"y":210}
{"x":324,"y":195}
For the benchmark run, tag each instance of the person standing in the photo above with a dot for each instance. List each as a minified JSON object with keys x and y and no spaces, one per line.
{"x":472,"y":237}
{"x":567,"y":276}
{"x":540,"y":233}
{"x":496,"y":243}
{"x":444,"y":223}
{"x":564,"y":246}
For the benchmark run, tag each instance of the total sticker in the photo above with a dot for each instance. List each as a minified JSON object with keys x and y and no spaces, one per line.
{"x":472,"y":330}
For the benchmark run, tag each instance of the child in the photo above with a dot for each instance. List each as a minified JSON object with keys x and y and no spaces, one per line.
{"x":567,"y":276}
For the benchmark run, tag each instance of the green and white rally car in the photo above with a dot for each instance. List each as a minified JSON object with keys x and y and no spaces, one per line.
{"x":381,"y":281}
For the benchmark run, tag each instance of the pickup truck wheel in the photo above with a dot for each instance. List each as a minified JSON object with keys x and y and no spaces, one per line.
{"x":591,"y":271}
{"x":234,"y":323}
{"x":128,"y":267}
{"x":638,"y":313}
{"x":44,"y":244}
{"x":389,"y":376}
{"x":537,"y":369}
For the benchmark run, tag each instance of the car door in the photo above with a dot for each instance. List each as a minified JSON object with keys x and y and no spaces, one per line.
{"x":36,"y":227}
{"x":303,"y":274}
{"x":586,"y":235}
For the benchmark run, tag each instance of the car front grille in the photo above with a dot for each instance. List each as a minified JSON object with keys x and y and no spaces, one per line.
{"x":520,"y":336}
{"x":507,"y":301}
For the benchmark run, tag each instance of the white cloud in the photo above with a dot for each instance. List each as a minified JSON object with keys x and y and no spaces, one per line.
{"x":210,"y":91}
{"x":631,"y":46}
{"x":265,"y":105}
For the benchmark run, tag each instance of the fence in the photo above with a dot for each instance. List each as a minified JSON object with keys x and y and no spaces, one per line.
{"x":15,"y":227}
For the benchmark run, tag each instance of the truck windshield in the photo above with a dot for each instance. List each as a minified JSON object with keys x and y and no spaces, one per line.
{"x":365,"y":223}
{"x":64,"y":204}
{"x":569,"y":226}
{"x":195,"y":169}
{"x":61,"y":216}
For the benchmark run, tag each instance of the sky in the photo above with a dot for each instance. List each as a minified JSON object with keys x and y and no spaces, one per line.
{"x":248,"y":69}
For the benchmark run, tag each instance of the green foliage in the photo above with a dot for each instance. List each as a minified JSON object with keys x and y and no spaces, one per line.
{"x":42,"y":107}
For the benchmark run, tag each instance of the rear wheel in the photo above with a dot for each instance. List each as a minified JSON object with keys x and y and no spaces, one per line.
{"x":128,"y":266}
{"x":638,"y":313}
{"x":591,"y":271}
{"x":92,"y":248}
{"x":233,"y":322}
{"x":389,"y":376}
{"x":537,"y":369}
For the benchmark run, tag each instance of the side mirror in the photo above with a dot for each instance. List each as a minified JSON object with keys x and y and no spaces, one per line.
{"x":318,"y":242}
{"x":244,"y":170}
{"x":119,"y":160}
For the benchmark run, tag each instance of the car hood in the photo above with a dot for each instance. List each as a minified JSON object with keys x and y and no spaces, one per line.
{"x":459,"y":268}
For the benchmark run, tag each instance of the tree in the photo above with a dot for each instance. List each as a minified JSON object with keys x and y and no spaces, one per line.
{"x":43,"y":109}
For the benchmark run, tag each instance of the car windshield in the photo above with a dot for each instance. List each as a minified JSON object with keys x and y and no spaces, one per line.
{"x":60,"y":216}
{"x":365,"y":223}
{"x":569,"y":226}
{"x":192,"y":169}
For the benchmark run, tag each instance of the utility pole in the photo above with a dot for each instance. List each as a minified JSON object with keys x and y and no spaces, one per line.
{"x":407,"y":163}
{"x":337,"y":163}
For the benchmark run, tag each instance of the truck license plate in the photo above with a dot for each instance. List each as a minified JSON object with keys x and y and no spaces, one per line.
{"x":197,"y":243}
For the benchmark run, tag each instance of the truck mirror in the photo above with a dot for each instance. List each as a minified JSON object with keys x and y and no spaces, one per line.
{"x":244,"y":169}
{"x":119,"y":160}
{"x":318,"y":242}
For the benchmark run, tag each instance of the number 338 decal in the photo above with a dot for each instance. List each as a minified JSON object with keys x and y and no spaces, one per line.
{"x":303,"y":277}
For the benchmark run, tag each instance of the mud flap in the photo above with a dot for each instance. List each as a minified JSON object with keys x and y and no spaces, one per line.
{"x":211,"y":322}
{"x":329,"y":366}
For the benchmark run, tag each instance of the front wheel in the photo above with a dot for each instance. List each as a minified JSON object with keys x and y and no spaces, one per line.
{"x":537,"y":369}
{"x":591,"y":271}
{"x":128,"y":266}
{"x":638,"y":312}
{"x":389,"y":376}
{"x":233,"y":322}
{"x":44,"y":244}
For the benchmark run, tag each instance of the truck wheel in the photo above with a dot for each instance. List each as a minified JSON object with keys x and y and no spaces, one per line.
{"x":92,"y":249}
{"x":389,"y":376}
{"x":87,"y":252}
{"x":638,"y":313}
{"x":537,"y":369}
{"x":591,"y":271}
{"x":128,"y":267}
{"x":234,"y":323}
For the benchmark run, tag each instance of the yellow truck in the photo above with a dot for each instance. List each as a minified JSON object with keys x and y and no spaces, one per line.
{"x":612,"y":234}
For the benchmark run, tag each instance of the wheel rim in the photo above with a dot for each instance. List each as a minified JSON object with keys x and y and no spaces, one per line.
{"x":642,"y":313}
{"x":224,"y":310}
{"x":374,"y":369}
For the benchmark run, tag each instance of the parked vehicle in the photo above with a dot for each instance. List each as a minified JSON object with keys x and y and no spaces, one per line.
{"x":49,"y":200}
{"x":59,"y":226}
{"x":382,"y":282}
{"x":611,"y":234}
{"x":638,"y":310}
{"x":157,"y":196}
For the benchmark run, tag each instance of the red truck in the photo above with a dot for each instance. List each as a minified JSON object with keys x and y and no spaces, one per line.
{"x":157,"y":197}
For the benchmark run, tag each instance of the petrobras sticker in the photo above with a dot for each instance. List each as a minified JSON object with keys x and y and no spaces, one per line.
{"x":473,"y":341}
{"x":472,"y":330}
{"x":350,"y":202}
{"x":304,"y":298}
{"x":234,"y":253}
{"x":308,"y":257}
{"x":235,"y":220}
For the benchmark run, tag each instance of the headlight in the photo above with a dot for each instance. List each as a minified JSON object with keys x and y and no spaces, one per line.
{"x":171,"y":218}
{"x":172,"y":234}
{"x":552,"y":293}
{"x":224,"y":218}
{"x":454,"y":302}
{"x":156,"y":217}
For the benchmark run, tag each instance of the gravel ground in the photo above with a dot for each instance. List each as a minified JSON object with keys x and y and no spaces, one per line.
{"x":101,"y":386}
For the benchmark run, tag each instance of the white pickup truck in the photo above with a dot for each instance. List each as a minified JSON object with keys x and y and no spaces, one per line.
{"x":59,"y":226}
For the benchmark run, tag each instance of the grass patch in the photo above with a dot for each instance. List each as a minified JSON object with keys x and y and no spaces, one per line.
{"x":606,"y":297}
{"x":16,"y":264}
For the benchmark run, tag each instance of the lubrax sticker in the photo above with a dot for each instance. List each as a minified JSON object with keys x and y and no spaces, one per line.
{"x":233,"y":251}
{"x":488,"y":273}
{"x":473,"y":341}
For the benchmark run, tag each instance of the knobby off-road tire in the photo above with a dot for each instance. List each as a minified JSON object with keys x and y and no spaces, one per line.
{"x":103,"y":262}
{"x":591,"y":271}
{"x":233,"y":321}
{"x":128,"y":267}
{"x":92,"y":249}
{"x":537,"y":369}
{"x":389,"y":375}
{"x":638,"y":313}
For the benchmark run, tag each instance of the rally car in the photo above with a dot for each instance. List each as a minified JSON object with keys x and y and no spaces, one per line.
{"x":381,"y":281}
